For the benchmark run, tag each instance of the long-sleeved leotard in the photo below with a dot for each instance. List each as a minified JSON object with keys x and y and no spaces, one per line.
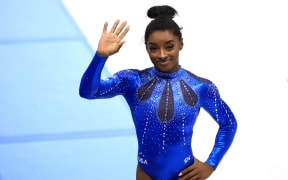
{"x":164,"y":107}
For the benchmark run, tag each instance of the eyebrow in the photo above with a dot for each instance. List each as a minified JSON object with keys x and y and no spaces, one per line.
{"x":152,"y":43}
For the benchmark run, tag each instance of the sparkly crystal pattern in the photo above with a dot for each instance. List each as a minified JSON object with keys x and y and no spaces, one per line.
{"x":164,"y":107}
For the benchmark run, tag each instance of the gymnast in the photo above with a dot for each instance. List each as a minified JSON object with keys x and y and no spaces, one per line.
{"x":165,"y":100}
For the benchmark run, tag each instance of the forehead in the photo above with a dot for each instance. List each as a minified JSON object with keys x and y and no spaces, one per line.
{"x":158,"y":37}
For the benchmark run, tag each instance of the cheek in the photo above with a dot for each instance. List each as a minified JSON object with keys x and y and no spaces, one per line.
{"x":152,"y":57}
{"x":153,"y":60}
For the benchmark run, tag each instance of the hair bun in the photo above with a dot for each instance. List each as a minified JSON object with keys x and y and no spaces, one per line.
{"x":161,"y":12}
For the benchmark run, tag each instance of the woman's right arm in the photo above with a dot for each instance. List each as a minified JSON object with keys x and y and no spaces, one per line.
{"x":90,"y":81}
{"x":109,"y":44}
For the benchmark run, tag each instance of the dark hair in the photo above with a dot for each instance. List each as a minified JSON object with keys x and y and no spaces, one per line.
{"x":162,"y":20}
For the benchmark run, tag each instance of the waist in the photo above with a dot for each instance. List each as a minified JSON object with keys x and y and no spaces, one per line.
{"x":165,"y":166}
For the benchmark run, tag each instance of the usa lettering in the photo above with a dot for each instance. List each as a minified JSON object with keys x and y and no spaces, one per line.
{"x":142,"y":160}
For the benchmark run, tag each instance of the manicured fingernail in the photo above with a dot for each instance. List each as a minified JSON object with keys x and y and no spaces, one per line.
{"x":180,"y":174}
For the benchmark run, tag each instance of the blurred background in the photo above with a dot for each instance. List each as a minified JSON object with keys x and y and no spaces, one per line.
{"x":48,"y":132}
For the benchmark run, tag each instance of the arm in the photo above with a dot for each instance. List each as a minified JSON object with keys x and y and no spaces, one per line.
{"x":226,"y":120}
{"x":91,"y":79}
{"x":110,"y":43}
{"x":222,"y":114}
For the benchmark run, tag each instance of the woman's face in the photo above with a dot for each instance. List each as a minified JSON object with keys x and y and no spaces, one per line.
{"x":163,"y":48}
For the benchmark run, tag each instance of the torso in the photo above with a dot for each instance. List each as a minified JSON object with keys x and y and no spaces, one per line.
{"x":164,"y":107}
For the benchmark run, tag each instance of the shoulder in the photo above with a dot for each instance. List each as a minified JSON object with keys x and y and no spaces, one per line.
{"x":145,"y":75}
{"x":198,"y":78}
{"x":127,"y":73}
{"x":133,"y":75}
{"x":206,"y":85}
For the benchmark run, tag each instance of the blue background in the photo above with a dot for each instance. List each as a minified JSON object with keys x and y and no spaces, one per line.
{"x":47,"y":132}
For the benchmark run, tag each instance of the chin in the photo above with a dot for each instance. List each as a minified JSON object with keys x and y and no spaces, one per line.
{"x":166,"y":70}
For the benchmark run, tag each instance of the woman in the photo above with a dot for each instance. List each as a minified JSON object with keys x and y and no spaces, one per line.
{"x":164,"y":100}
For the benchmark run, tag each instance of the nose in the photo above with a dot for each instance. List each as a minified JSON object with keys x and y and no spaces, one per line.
{"x":162,"y":54}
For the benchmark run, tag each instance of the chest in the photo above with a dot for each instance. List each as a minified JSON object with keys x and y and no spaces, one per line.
{"x":168,"y":97}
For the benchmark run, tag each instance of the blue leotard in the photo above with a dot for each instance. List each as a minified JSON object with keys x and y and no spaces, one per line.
{"x":164,"y":107}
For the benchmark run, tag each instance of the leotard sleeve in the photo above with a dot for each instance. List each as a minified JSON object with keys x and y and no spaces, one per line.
{"x":222,"y":114}
{"x":93,"y":87}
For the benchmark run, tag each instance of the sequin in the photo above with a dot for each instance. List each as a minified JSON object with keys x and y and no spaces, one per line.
{"x":164,"y":107}
{"x":189,"y":95}
{"x":166,"y":104}
{"x":145,"y":91}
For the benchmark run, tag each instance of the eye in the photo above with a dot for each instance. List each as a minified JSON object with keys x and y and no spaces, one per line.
{"x":170,"y":47}
{"x":152,"y":48}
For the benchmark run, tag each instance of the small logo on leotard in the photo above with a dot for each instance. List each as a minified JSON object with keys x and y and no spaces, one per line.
{"x":188,"y":158}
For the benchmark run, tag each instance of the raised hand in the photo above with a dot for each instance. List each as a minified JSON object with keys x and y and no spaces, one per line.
{"x":111,"y":42}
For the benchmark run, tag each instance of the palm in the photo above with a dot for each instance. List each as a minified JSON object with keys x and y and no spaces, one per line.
{"x":108,"y":43}
{"x":111,"y":42}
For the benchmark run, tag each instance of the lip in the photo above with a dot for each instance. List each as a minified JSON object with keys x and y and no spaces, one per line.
{"x":163,"y":63}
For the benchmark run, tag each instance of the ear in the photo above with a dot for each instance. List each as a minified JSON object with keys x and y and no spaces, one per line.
{"x":181,"y":45}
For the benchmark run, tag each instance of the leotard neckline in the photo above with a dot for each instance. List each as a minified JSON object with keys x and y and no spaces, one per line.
{"x":168,"y":75}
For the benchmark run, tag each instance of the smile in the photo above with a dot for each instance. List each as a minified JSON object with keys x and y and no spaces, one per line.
{"x":162,"y":62}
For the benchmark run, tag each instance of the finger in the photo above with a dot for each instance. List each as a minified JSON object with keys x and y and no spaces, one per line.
{"x":189,"y":175}
{"x":120,"y":29}
{"x":121,"y":44}
{"x":123,"y":34}
{"x":186,"y":170}
{"x":189,"y":171}
{"x":105,"y":27}
{"x":114,"y":26}
{"x":195,"y":177}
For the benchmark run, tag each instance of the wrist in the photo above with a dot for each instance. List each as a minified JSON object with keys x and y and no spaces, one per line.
{"x":103,"y":55}
{"x":209,"y":166}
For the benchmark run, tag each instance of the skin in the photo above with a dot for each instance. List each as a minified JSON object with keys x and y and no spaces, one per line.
{"x":163,"y":49}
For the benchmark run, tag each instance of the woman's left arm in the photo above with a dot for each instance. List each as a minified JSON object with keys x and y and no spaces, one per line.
{"x":226,"y":120}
